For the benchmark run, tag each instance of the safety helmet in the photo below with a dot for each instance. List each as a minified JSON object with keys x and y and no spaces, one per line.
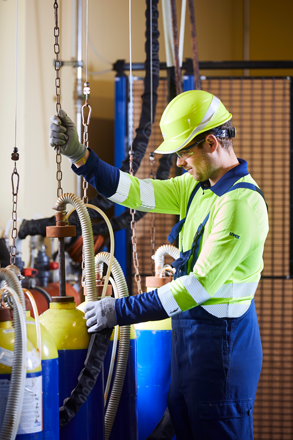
{"x":188,"y":115}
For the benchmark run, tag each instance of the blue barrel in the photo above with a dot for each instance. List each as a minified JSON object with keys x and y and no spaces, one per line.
{"x":125,"y":424}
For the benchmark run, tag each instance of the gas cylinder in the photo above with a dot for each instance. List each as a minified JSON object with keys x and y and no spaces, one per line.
{"x":125,"y":424}
{"x":31,"y":424}
{"x":50,"y":374}
{"x":67,"y":328}
{"x":153,"y":367}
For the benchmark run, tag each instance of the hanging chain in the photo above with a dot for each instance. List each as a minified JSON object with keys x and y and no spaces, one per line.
{"x":152,"y":175}
{"x":15,"y":157}
{"x":58,"y":93}
{"x":131,"y":171}
{"x":15,"y":187}
{"x":86,"y":92}
{"x":137,"y":276}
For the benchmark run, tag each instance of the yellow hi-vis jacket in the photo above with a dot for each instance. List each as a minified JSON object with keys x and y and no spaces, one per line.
{"x":226,"y":274}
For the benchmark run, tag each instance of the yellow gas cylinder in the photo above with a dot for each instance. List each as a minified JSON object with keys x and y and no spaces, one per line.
{"x":67,"y":328}
{"x":50,"y":374}
{"x":30,"y":426}
{"x":153,"y":366}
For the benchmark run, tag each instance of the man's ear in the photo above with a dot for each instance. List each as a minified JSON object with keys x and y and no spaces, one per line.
{"x":212,"y":142}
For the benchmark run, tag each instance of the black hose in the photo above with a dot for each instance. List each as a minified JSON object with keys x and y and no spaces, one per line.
{"x":93,"y":364}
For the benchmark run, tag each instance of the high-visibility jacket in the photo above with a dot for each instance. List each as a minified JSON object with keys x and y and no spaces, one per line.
{"x":224,"y":279}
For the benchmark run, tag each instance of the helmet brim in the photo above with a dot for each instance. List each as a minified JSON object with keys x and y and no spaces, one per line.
{"x":169,"y":147}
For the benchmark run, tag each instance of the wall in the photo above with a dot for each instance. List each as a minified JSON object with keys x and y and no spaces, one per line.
{"x":220,"y":37}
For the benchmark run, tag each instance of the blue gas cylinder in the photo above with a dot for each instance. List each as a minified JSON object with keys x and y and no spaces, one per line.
{"x":50,"y":372}
{"x":67,"y":327}
{"x":125,"y":424}
{"x":153,"y":367}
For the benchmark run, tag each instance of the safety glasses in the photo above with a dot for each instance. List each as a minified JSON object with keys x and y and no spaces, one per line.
{"x":184,"y":154}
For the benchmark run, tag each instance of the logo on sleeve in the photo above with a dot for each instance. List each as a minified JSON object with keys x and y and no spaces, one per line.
{"x":234,"y":235}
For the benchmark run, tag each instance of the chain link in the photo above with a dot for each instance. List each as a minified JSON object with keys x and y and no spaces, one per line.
{"x":137,"y":276}
{"x":152,"y":175}
{"x":58,"y":94}
{"x":86,"y":123}
{"x":15,"y":187}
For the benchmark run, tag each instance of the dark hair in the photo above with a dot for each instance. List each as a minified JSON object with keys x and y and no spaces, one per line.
{"x":226,"y":142}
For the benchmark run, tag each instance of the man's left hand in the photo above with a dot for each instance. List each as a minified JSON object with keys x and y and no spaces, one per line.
{"x":100,"y":314}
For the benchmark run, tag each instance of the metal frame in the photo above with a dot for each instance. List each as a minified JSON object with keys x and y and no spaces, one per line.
{"x":188,"y":84}
{"x":119,"y":155}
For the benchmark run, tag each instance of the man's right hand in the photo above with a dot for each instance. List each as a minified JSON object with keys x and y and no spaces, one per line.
{"x":63,"y":133}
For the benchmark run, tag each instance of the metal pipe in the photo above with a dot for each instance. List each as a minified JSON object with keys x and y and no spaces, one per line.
{"x":88,"y":241}
{"x":194,"y":45}
{"x":219,"y":65}
{"x":246,"y":34}
{"x":176,"y":48}
{"x":78,"y":97}
{"x":61,"y":254}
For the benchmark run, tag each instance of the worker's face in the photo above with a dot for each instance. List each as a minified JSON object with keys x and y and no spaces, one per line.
{"x":199,"y":164}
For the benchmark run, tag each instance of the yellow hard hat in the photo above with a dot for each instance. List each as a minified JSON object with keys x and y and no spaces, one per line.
{"x":188,"y":115}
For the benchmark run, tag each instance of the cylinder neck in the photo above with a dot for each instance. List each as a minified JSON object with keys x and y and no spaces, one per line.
{"x":5,"y":315}
{"x":62,"y":302}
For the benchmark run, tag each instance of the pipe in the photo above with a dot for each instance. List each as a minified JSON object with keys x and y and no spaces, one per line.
{"x":182,"y":30}
{"x":111,"y":233}
{"x":194,"y":46}
{"x":78,"y":96}
{"x":114,"y":348}
{"x":123,"y":350}
{"x":37,"y":321}
{"x":166,"y":249}
{"x":88,"y":241}
{"x":17,"y":383}
{"x":176,"y":49}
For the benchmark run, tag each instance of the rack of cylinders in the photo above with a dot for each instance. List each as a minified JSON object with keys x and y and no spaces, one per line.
{"x":154,"y":354}
{"x":60,"y":354}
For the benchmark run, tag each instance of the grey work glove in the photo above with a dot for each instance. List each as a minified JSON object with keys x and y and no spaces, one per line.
{"x":100,"y":314}
{"x":63,"y":133}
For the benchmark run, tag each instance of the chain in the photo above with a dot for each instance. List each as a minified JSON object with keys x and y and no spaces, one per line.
{"x":15,"y":157}
{"x":86,"y":91}
{"x":15,"y":187}
{"x":58,"y":94}
{"x":137,"y":276}
{"x":152,"y":175}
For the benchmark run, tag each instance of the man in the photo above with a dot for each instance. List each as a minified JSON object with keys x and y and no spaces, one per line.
{"x":216,"y":347}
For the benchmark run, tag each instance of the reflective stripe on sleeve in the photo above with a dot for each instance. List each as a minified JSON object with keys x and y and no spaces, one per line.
{"x":168,"y":301}
{"x":233,"y":290}
{"x":234,"y":310}
{"x":147,"y":195}
{"x":123,"y":188}
{"x":195,"y":289}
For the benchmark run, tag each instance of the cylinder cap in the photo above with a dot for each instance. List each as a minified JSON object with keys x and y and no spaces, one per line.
{"x":63,"y":299}
{"x":5,"y":314}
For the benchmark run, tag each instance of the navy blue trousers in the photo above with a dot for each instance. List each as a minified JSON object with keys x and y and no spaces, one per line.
{"x":215,"y":365}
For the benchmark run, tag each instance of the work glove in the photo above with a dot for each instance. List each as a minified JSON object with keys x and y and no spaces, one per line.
{"x":63,"y":133}
{"x":100,"y":314}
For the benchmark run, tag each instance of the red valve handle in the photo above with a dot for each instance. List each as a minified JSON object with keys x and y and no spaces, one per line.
{"x":53,"y":265}
{"x":29,"y":272}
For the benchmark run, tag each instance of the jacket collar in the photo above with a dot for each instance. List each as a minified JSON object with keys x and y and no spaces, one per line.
{"x":228,"y":180}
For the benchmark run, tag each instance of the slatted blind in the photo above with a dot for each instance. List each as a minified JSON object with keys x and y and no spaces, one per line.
{"x":261,"y":113}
